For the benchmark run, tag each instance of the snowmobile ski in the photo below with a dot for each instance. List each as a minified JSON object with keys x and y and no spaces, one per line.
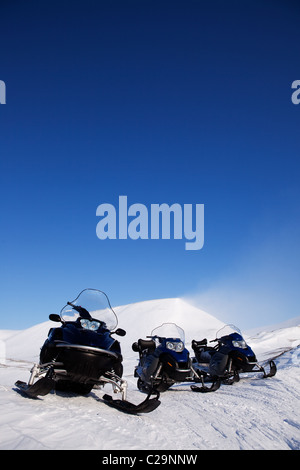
{"x":272,"y":372}
{"x":42,"y":387}
{"x":204,"y":389}
{"x":146,"y":406}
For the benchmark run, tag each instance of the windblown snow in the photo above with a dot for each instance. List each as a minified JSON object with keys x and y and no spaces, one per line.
{"x":251,"y":414}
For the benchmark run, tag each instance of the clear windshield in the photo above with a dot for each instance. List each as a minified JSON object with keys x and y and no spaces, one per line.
{"x":228,"y":330}
{"x":96,"y":303}
{"x":169,"y":330}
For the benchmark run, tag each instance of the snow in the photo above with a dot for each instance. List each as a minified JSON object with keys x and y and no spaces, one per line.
{"x":251,"y":414}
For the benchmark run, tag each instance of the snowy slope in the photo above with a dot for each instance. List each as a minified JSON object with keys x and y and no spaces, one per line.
{"x":251,"y":414}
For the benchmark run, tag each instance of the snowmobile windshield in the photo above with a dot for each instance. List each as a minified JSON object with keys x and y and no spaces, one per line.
{"x":96,"y":304}
{"x":228,"y":330}
{"x":169,"y":331}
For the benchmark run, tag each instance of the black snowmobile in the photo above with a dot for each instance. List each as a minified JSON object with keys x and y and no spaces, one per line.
{"x":82,"y":353}
{"x":164,"y":360}
{"x":227,"y":359}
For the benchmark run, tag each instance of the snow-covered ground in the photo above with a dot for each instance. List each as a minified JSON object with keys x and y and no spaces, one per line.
{"x":251,"y":414}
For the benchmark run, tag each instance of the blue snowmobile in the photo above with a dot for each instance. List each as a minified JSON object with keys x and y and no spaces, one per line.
{"x":227,"y":359}
{"x":164,"y":361}
{"x":82,"y":353}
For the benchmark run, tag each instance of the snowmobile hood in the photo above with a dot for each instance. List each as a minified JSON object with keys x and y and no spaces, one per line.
{"x":72,"y":334}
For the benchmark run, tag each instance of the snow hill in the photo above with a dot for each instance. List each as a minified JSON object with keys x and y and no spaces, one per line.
{"x":251,"y":414}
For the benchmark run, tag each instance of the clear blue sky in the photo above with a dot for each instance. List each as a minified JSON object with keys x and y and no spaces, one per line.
{"x":163,"y":101}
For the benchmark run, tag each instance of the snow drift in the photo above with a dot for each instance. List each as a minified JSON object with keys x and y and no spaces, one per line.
{"x":252,"y":414}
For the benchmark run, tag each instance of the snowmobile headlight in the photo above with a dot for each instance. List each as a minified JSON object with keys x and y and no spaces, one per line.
{"x":240,"y":344}
{"x":94,"y":325}
{"x":90,"y":325}
{"x":179,"y":346}
{"x":175,"y":346}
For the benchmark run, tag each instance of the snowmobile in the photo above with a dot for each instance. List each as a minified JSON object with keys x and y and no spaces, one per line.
{"x":227,"y":359}
{"x":164,"y":360}
{"x":82,"y":354}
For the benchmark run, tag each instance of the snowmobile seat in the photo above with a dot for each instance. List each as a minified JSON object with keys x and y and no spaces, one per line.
{"x":141,"y":345}
{"x":146,"y":344}
{"x":199,"y":344}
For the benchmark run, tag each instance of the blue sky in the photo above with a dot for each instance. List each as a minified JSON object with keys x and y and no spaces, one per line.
{"x":183,"y":102}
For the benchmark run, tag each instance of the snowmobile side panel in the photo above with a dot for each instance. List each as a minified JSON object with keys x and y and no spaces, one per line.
{"x":218,"y":362}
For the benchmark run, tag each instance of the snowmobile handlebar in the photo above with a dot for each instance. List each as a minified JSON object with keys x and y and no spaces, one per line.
{"x":81,"y":310}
